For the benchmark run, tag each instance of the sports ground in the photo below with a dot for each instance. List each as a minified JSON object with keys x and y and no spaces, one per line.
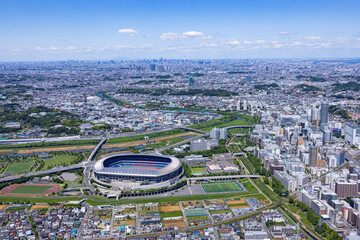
{"x":30,"y":189}
{"x":231,"y":186}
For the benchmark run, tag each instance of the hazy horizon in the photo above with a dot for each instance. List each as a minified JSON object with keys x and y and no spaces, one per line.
{"x":91,"y":30}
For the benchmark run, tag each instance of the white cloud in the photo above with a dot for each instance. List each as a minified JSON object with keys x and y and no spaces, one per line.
{"x":287,"y":33}
{"x":208,"y":44}
{"x":131,"y":32}
{"x":47,"y":49}
{"x":230,"y":45}
{"x":185,"y":35}
{"x":233,"y":42}
{"x":313,"y":38}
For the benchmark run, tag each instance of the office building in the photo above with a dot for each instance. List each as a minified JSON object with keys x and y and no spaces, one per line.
{"x":324,"y":113}
{"x":315,"y":114}
{"x":327,"y":136}
{"x":340,"y":157}
{"x":288,"y":181}
{"x":345,"y":188}
{"x":215,"y":133}
{"x":203,"y":144}
{"x":238,"y":106}
{"x":318,"y":208}
{"x":352,"y":133}
{"x":314,"y":155}
{"x":223,"y":133}
{"x":306,"y":197}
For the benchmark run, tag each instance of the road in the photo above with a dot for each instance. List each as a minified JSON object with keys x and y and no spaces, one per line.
{"x":90,"y":164}
{"x":50,"y":171}
{"x":240,"y":126}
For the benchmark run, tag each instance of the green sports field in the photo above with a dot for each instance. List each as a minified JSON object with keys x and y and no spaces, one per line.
{"x":18,"y":167}
{"x":58,"y":160}
{"x":28,"y":189}
{"x":221,"y":187}
{"x":198,"y":171}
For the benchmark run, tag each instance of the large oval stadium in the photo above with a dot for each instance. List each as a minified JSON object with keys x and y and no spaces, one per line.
{"x":137,"y":167}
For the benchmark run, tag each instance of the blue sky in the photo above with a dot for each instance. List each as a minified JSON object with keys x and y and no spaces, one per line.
{"x":92,"y":30}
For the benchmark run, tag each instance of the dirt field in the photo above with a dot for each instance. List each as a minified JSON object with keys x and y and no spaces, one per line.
{"x":124,"y":223}
{"x":6,"y":151}
{"x":39,"y":206}
{"x":174,"y":223}
{"x":239,"y":207}
{"x":143,"y":142}
{"x":128,"y":222}
{"x":235,"y":202}
{"x":170,"y":208}
{"x":219,"y":201}
{"x":7,"y":190}
{"x":3,"y":207}
{"x":25,"y":151}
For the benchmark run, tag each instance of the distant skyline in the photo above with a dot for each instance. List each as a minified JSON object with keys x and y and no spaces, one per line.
{"x":103,"y":30}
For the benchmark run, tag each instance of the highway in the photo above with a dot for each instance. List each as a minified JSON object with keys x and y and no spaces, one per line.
{"x":88,"y":167}
{"x":194,"y":130}
{"x":240,"y":126}
{"x":50,"y":171}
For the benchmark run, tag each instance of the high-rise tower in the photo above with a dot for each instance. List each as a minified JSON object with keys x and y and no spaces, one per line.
{"x":324,"y":113}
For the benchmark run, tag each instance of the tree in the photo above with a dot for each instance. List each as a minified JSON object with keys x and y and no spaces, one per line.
{"x":266,"y":181}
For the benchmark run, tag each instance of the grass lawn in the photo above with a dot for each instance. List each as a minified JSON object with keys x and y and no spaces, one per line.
{"x":239,"y":130}
{"x":29,"y":189}
{"x":70,"y":143}
{"x":58,"y":160}
{"x":141,"y":137}
{"x":166,"y":142}
{"x":241,"y":121}
{"x":197,"y":170}
{"x":293,"y":208}
{"x":287,"y":215}
{"x":13,"y":209}
{"x":78,"y":181}
{"x":307,"y":223}
{"x":302,"y":214}
{"x":18,"y":167}
{"x":198,"y":218}
{"x":219,"y":211}
{"x":170,"y":214}
{"x":249,"y":186}
{"x":221,"y":187}
{"x":69,"y":183}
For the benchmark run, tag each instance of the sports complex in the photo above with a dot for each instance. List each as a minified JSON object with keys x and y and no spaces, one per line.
{"x":26,"y":189}
{"x":138,"y":168}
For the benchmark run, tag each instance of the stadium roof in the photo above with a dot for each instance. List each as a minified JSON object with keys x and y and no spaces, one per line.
{"x":173,"y":165}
